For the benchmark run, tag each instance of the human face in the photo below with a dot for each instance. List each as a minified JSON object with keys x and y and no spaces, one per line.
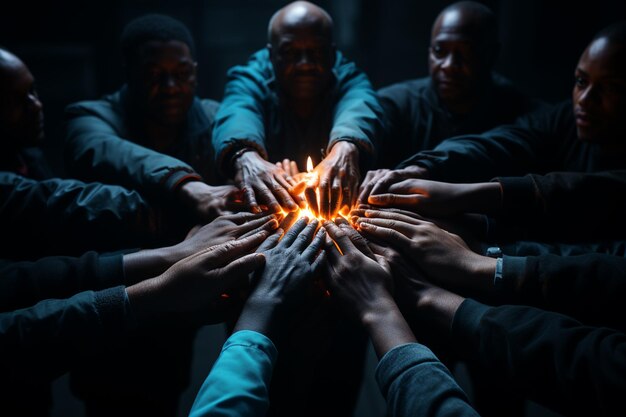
{"x":302,"y":59}
{"x":599,"y":93}
{"x":163,"y":81}
{"x":21,"y":111}
{"x":457,"y":62}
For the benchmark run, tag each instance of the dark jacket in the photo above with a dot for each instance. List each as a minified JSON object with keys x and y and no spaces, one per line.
{"x":105,"y":144}
{"x":541,"y":142}
{"x":563,"y":206}
{"x":251,"y":115}
{"x":416,"y":120}
{"x":69,"y":217}
{"x":547,"y":357}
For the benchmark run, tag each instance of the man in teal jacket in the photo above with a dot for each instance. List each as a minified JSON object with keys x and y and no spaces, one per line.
{"x":298,"y":97}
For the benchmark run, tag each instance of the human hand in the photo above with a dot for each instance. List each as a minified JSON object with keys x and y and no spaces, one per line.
{"x":260,"y":179}
{"x":283,"y":282}
{"x":444,"y":257}
{"x":360,"y":280}
{"x":208,"y":201}
{"x":378,"y":181}
{"x":196,"y":282}
{"x":337,"y":177}
{"x":223,"y":229}
{"x":433,"y":198}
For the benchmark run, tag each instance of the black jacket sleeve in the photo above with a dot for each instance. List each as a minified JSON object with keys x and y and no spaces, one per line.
{"x":550,"y":358}
{"x":23,"y":284}
{"x":41,"y":342}
{"x":511,"y":150}
{"x":69,"y":217}
{"x":563,"y":205}
{"x":590,"y":287}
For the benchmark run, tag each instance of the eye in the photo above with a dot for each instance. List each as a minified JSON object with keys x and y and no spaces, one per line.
{"x":581,"y":82}
{"x":437,"y":51}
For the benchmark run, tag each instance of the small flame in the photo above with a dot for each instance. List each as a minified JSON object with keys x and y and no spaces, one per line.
{"x":309,"y":164}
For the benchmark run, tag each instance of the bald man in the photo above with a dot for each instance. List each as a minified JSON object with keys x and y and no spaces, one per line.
{"x":462,"y":95}
{"x":21,"y":120}
{"x":297,"y":97}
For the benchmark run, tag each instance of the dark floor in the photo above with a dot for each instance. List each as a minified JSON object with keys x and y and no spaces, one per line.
{"x":207,"y":347}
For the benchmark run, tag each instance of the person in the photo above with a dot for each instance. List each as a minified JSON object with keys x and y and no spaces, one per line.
{"x":462,"y":95}
{"x":48,"y":325}
{"x":297,"y":97}
{"x":239,"y":382}
{"x":153,"y":134}
{"x":21,"y":120}
{"x":543,"y":207}
{"x":567,"y":365}
{"x":588,"y":287}
{"x":581,"y":135}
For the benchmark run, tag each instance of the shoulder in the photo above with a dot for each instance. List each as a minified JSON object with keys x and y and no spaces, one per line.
{"x":405,"y":88}
{"x":108,"y":108}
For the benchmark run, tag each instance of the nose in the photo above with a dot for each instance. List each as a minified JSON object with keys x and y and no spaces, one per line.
{"x":587,"y":96}
{"x":304,"y":59}
{"x":451,"y":61}
{"x":168,"y":82}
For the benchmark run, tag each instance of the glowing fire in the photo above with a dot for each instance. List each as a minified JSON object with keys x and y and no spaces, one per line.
{"x":309,"y":179}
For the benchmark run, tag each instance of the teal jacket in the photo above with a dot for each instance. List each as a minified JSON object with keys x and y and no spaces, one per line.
{"x":251,"y":115}
{"x":104,"y":144}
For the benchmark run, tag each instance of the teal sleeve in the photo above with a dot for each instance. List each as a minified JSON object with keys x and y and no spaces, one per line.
{"x":238,"y":384}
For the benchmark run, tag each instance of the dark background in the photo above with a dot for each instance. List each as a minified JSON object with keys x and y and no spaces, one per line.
{"x":72,"y":47}
{"x":72,"y":50}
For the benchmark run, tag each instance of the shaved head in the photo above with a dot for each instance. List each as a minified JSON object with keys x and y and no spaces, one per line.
{"x":8,"y":64}
{"x":21,"y":115}
{"x":300,"y":15}
{"x":470,"y":20}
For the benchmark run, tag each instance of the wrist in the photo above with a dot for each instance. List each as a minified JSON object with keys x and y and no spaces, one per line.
{"x":241,"y":156}
{"x":439,"y":307}
{"x":262,"y":315}
{"x":482,"y":197}
{"x":344,"y":146}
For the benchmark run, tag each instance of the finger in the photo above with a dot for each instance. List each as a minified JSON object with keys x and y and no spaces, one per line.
{"x":219,"y":255}
{"x":319,"y":262}
{"x":324,"y":188}
{"x":268,"y":226}
{"x":311,"y":251}
{"x":289,"y":220}
{"x":311,"y":199}
{"x":390,"y":236}
{"x":367,"y":185}
{"x":271,"y":241}
{"x":280,"y":197}
{"x":335,"y":196}
{"x":385,"y":181}
{"x":254,"y":223}
{"x":282,"y":181}
{"x":386,"y":200}
{"x":236,"y":272}
{"x":250,"y":198}
{"x":293,"y":167}
{"x":392,"y":215}
{"x":304,"y":238}
{"x":280,"y":165}
{"x":295,"y":230}
{"x":406,"y":229}
{"x":267,"y":198}
{"x":357,"y":239}
{"x":242,"y":218}
{"x":298,"y":188}
{"x":407,"y":213}
{"x":341,"y":238}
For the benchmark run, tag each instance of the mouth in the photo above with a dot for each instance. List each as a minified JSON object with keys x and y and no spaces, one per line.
{"x":583,"y":119}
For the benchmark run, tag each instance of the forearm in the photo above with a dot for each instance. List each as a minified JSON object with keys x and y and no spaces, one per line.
{"x":484,"y":197}
{"x":262,"y":316}
{"x":387,"y":327}
{"x":551,"y":358}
